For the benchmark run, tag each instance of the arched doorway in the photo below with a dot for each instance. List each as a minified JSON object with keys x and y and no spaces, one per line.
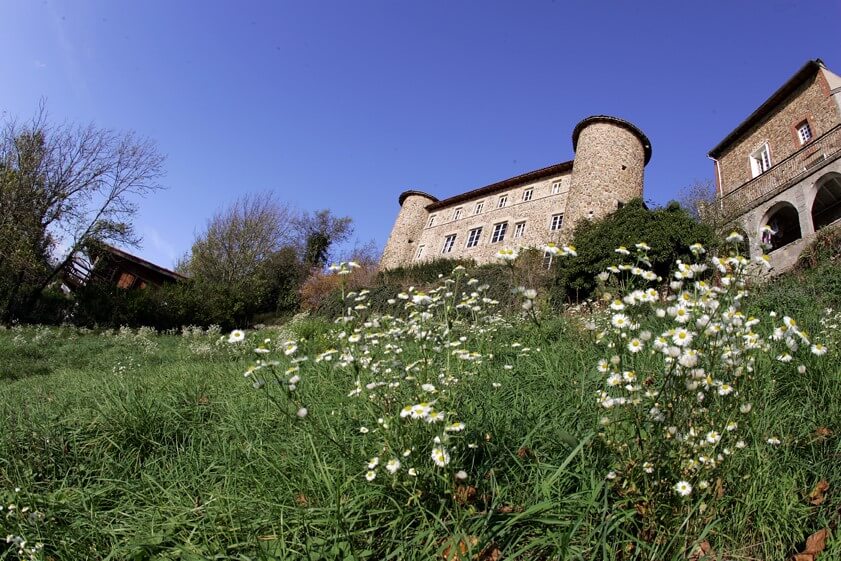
{"x":784,"y":224}
{"x":827,"y":206}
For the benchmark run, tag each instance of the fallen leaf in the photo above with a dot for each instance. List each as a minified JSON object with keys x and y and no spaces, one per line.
{"x":815,"y":544}
{"x":460,"y":551}
{"x":490,"y":553}
{"x":465,"y":494}
{"x":701,"y":552}
{"x":524,"y":453}
{"x":818,"y":494}
{"x":301,"y":499}
{"x":823,"y":432}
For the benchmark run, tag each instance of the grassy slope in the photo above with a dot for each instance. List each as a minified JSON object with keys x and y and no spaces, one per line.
{"x":155,"y":448}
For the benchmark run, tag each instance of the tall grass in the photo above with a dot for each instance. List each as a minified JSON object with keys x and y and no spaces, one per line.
{"x":130,"y":445}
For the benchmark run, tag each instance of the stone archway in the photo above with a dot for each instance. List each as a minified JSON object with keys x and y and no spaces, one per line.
{"x":826,"y":208}
{"x":784,"y":222}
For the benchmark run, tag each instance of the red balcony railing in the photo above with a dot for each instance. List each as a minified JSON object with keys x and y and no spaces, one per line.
{"x":784,"y":174}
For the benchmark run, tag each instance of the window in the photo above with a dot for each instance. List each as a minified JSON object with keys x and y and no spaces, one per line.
{"x":479,"y":208}
{"x":419,"y":254}
{"x":503,"y":200}
{"x":519,"y":229}
{"x":457,"y":213}
{"x":556,"y":187}
{"x":499,"y":232}
{"x":431,"y":222}
{"x":473,"y":237}
{"x":804,"y":132}
{"x":449,"y":242}
{"x":557,"y":222}
{"x":547,"y":260}
{"x":527,"y":195}
{"x":126,"y":280}
{"x":760,"y":161}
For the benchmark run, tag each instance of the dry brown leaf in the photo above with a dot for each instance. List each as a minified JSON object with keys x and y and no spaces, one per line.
{"x":719,"y":488}
{"x":301,"y":499}
{"x":490,"y":553}
{"x":702,"y":552}
{"x":465,"y":494}
{"x":823,"y":432}
{"x":202,"y":400}
{"x":524,"y":453}
{"x":815,"y":544}
{"x":459,"y":552}
{"x":818,"y":494}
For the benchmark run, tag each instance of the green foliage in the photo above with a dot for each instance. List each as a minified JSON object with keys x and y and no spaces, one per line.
{"x":669,"y":231}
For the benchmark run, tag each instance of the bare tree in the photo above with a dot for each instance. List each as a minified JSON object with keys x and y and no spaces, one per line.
{"x":76,"y":184}
{"x":699,"y":199}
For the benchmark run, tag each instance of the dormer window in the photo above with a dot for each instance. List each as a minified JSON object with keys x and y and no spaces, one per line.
{"x":804,"y":132}
{"x":760,"y":161}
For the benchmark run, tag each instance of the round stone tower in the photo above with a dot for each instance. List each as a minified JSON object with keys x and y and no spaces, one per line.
{"x":402,"y":243}
{"x":607,"y":172}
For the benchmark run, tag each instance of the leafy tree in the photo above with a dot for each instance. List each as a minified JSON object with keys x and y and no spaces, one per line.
{"x":319,"y":232}
{"x":61,"y":186}
{"x":241,"y":263}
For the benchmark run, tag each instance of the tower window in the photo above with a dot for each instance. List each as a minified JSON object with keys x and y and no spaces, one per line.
{"x":556,"y":187}
{"x":499,"y":232}
{"x":449,"y":242}
{"x":473,"y":237}
{"x":419,"y":254}
{"x":431,"y":222}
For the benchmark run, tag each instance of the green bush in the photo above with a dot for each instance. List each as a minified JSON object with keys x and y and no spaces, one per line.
{"x":668,"y":231}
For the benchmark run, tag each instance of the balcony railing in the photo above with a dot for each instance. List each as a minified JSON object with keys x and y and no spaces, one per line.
{"x":781,"y":176}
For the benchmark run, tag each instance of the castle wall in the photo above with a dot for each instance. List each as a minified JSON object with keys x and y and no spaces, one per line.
{"x":607,"y":171}
{"x":811,"y":101}
{"x":536,"y":214}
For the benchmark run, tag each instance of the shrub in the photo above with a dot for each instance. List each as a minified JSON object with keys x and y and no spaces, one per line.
{"x":668,"y":231}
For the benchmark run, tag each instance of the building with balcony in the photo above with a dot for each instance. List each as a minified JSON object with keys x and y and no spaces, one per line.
{"x":778,"y":173}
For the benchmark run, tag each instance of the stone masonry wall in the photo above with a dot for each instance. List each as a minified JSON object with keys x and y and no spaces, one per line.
{"x":536,"y":213}
{"x":402,"y":244}
{"x":811,"y":101}
{"x":608,"y":170}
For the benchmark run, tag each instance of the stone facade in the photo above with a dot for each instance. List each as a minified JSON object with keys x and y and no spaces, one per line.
{"x":799,"y":190}
{"x":528,"y":210}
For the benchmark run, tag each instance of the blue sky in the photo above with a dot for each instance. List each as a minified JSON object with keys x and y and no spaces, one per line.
{"x":344,"y":105}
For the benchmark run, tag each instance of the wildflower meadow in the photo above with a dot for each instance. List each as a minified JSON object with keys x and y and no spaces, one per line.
{"x":689,"y":417}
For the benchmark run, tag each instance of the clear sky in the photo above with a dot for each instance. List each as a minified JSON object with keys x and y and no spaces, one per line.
{"x":345,"y":104}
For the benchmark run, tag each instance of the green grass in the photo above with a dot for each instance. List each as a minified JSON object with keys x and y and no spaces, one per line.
{"x":156,"y":447}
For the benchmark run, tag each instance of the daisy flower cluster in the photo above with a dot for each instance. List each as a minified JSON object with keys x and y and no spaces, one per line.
{"x":23,"y":520}
{"x":677,"y":368}
{"x":405,"y":373}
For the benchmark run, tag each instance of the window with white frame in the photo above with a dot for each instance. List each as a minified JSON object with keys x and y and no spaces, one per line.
{"x":499,"y":232}
{"x":419,"y":253}
{"x":760,"y":161}
{"x":431,"y":222}
{"x":479,"y":208}
{"x":519,"y":229}
{"x":547,"y":260}
{"x":449,"y":242}
{"x":557,"y":222}
{"x":457,"y":213}
{"x":556,"y":187}
{"x":527,"y":195}
{"x":804,"y":132}
{"x":503,"y":200}
{"x":473,"y":237}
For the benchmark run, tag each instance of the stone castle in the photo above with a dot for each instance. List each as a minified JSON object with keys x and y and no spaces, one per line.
{"x":778,"y":180}
{"x":527,"y":210}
